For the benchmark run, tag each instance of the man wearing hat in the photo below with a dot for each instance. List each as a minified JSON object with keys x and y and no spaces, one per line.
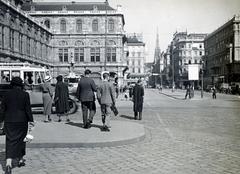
{"x":47,"y":94}
{"x":106,"y":97}
{"x":85,"y":94}
{"x":138,"y":93}
{"x":16,"y":113}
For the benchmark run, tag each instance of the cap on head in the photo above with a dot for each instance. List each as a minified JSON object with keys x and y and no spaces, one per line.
{"x":47,"y":78}
{"x":87,"y":71}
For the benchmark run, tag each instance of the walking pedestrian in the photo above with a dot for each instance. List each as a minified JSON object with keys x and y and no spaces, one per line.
{"x":16,"y":113}
{"x":47,"y":94}
{"x":188,"y":92}
{"x":137,"y":95}
{"x":61,"y":99}
{"x":214,"y":91}
{"x":85,"y":94}
{"x":106,"y":97}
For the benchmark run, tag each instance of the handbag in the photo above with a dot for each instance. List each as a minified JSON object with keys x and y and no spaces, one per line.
{"x":114,"y":109}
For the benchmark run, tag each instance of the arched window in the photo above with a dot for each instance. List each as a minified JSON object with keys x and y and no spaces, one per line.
{"x":47,"y":23}
{"x":79,"y":25}
{"x":63,"y":26}
{"x":111,"y":51}
{"x":79,"y":52}
{"x":111,"y":25}
{"x":95,"y":51}
{"x":95,"y":25}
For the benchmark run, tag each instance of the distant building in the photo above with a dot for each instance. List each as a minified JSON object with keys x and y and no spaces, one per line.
{"x":85,"y":35}
{"x":156,"y":79}
{"x":222,"y":59}
{"x":22,"y":39}
{"x":136,"y":57}
{"x":186,"y":49}
{"x":167,"y":69}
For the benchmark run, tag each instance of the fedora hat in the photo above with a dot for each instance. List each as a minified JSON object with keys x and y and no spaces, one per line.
{"x":47,"y":78}
{"x":16,"y":81}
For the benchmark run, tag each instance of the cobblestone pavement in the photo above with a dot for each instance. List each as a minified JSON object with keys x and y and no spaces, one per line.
{"x":182,"y":137}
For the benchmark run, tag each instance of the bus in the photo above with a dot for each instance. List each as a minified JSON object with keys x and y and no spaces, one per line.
{"x":30,"y":74}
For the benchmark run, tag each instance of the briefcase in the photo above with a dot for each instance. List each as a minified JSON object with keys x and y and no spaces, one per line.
{"x":114,"y":109}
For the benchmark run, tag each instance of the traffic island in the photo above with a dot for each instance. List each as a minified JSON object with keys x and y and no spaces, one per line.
{"x":72,"y":134}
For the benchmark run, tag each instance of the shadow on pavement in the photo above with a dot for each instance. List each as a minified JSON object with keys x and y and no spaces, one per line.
{"x":81,"y":125}
{"x":2,"y":160}
{"x":127,"y":117}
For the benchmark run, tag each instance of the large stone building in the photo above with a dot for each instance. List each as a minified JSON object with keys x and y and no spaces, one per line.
{"x":85,"y":35}
{"x":222,"y":59}
{"x":22,"y":39}
{"x":136,"y":56}
{"x":186,"y":49}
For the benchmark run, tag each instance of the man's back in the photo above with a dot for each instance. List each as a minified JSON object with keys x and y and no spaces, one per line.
{"x":107,"y":93}
{"x":86,"y":89}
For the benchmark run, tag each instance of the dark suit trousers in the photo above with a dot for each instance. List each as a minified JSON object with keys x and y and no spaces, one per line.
{"x":91,"y":106}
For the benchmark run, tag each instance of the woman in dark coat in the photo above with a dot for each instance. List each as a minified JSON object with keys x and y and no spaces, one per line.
{"x":16,"y":113}
{"x":61,"y":98}
{"x":137,"y":95}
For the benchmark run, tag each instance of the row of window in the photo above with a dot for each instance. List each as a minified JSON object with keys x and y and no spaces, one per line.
{"x":79,"y":25}
{"x":133,"y":62}
{"x":63,"y":55}
{"x":189,"y":53}
{"x":136,"y":70}
{"x":135,"y":54}
{"x":25,"y":44}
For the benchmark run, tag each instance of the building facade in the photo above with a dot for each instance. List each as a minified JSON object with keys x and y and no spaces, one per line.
{"x":22,"y":39}
{"x":85,"y":35}
{"x":186,"y":49}
{"x":136,"y":56}
{"x":222,"y":59}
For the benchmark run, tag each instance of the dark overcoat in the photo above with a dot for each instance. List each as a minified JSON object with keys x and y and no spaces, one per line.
{"x":137,"y":95}
{"x":61,"y":98}
{"x":85,"y":90}
{"x":16,"y":113}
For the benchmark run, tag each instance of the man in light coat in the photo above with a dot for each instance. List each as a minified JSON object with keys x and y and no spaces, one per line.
{"x":106,"y":98}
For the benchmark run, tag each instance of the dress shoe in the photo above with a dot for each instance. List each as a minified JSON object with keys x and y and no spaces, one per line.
{"x":8,"y":170}
{"x":105,"y":129}
{"x":86,"y":126}
{"x":21,"y":162}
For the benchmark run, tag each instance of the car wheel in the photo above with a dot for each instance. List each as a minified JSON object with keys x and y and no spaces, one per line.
{"x":73,"y":106}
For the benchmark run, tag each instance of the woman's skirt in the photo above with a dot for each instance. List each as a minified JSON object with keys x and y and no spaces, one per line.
{"x":15,"y":134}
{"x":47,"y":104}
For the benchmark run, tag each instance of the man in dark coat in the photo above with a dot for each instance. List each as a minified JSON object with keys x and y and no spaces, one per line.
{"x":16,"y":113}
{"x":85,"y":94}
{"x":137,"y":96}
{"x":61,"y":98}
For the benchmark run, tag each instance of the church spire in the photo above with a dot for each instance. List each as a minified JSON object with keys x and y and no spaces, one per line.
{"x":157,"y":52}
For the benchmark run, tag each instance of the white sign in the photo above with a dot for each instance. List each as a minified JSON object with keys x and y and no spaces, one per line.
{"x":193,"y":72}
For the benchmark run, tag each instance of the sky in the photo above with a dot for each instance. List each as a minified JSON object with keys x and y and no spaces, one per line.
{"x":168,"y":16}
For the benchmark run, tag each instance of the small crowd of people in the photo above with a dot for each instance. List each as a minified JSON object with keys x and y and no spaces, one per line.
{"x":17,"y":115}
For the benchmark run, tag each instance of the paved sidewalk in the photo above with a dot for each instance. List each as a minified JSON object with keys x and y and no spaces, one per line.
{"x":50,"y":135}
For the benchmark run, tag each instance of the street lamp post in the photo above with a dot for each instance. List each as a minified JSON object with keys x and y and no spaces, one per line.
{"x":172,"y":70}
{"x":201,"y":79}
{"x":105,"y":37}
